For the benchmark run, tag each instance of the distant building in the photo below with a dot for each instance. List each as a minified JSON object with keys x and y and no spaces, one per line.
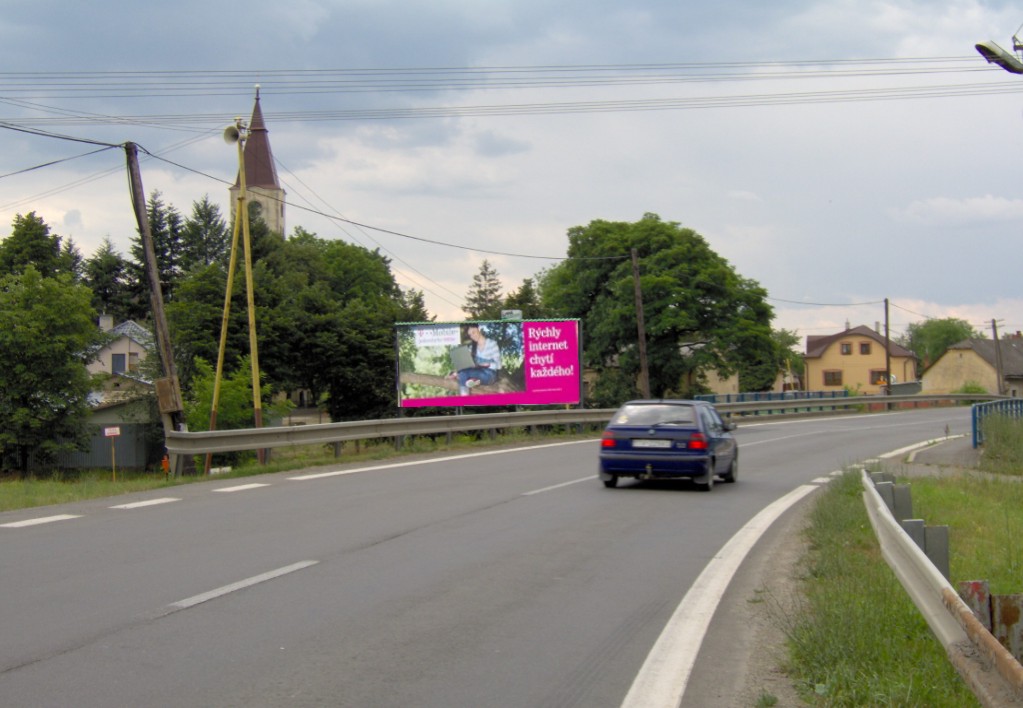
{"x":129,"y":345}
{"x":120,"y":359}
{"x":261,"y":184}
{"x":976,"y":361}
{"x":855,"y":360}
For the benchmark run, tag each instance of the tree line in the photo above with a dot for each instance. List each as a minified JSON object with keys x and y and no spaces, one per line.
{"x":325,"y":311}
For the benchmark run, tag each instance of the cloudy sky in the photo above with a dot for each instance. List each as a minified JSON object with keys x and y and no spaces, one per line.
{"x":839,"y":152}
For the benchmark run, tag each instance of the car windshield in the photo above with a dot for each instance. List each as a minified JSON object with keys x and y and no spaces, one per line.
{"x":655,"y":414}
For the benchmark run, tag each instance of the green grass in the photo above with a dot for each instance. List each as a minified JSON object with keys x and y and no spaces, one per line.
{"x":71,"y":486}
{"x":855,"y":638}
{"x":1003,"y":446}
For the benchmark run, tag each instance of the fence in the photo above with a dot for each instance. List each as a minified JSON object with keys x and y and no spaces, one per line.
{"x":136,"y":447}
{"x":1011,"y":408}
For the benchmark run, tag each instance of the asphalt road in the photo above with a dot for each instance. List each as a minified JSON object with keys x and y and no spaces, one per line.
{"x":507,"y":578}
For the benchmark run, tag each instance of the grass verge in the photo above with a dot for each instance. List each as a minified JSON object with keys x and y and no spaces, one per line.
{"x":855,"y":638}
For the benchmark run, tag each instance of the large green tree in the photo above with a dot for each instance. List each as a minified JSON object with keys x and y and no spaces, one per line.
{"x":166,"y":228}
{"x":105,"y":272}
{"x":483,"y":300}
{"x":324,"y":313}
{"x":32,"y":243}
{"x":205,"y":239}
{"x":931,"y":338}
{"x":48,"y":335}
{"x":699,"y":313}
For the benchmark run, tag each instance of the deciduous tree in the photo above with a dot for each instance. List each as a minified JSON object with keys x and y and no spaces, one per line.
{"x":931,"y":338}
{"x":700,"y":315}
{"x":48,"y":335}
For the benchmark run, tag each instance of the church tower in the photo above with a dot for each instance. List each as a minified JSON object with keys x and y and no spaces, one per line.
{"x":261,"y":184}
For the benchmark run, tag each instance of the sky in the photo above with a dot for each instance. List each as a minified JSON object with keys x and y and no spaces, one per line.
{"x":840,"y":153}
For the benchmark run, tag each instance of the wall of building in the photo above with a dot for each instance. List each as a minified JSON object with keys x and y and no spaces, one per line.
{"x":955,"y":368}
{"x":856,"y":367}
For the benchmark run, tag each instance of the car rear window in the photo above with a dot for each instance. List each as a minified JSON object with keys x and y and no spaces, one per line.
{"x":658,"y":414}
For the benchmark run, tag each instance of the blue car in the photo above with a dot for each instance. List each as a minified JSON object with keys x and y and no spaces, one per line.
{"x":669,"y":439}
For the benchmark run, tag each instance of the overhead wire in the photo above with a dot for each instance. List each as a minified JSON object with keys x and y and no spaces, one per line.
{"x":177,"y":84}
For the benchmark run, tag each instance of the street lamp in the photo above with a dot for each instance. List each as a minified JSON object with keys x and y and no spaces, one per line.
{"x":1007,"y":60}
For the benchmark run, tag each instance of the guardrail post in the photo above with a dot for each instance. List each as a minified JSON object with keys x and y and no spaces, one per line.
{"x":914,"y":528}
{"x":903,"y":502}
{"x":885,"y":490}
{"x":977,"y":596}
{"x":1006,"y":620}
{"x":937,"y":549}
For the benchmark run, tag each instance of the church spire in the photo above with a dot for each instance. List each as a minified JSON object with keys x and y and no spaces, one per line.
{"x":261,"y":183}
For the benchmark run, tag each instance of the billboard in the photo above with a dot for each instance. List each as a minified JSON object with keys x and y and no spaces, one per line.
{"x":492,"y":363}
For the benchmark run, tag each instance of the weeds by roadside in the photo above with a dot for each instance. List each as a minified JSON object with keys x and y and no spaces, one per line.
{"x":855,"y":638}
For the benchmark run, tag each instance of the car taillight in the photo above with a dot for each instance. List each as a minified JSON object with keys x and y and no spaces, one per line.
{"x":697,"y":441}
{"x":608,"y":441}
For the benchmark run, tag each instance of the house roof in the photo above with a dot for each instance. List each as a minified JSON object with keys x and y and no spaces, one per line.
{"x":134,"y":331}
{"x":1011,"y":349}
{"x":817,"y":344}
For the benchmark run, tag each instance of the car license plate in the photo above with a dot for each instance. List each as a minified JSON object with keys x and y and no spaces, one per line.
{"x":651,"y":443}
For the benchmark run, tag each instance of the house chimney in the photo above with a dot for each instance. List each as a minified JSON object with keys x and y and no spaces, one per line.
{"x":106,"y":322}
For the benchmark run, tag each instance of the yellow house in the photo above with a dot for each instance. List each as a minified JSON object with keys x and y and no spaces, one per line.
{"x":855,"y":360}
{"x":977,"y":361}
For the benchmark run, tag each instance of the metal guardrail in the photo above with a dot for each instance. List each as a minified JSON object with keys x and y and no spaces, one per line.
{"x":200,"y":443}
{"x":971,"y":649}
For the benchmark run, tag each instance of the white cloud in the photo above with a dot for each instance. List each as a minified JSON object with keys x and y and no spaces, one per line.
{"x":948,"y":211}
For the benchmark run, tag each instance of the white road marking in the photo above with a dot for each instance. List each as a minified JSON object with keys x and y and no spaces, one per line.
{"x":241,"y":584}
{"x":40,"y":520}
{"x":663,"y":678}
{"x":394,"y":465}
{"x":241,"y":487}
{"x":559,"y":486}
{"x":148,"y":502}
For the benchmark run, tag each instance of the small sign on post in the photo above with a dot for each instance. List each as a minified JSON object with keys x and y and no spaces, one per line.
{"x":112,"y":432}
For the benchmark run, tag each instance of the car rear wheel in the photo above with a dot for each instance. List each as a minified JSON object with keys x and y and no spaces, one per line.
{"x":733,"y":471}
{"x":612,"y":482}
{"x":706,"y":481}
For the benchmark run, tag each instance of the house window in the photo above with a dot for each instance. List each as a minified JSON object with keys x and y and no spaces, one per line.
{"x":878,"y":377}
{"x":117,"y":363}
{"x":833,"y":378}
{"x":865,"y":348}
{"x":846,"y":348}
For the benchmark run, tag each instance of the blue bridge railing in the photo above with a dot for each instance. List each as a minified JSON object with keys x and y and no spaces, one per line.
{"x":1011,"y":408}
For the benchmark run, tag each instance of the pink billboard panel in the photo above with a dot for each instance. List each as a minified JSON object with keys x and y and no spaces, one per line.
{"x":492,"y":363}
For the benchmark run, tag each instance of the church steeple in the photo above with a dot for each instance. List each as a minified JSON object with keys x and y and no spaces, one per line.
{"x":261,"y":184}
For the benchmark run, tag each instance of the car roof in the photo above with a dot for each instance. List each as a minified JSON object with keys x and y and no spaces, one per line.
{"x":665,"y":401}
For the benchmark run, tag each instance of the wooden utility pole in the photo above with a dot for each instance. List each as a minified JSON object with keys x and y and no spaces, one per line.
{"x":998,"y":357}
{"x":887,"y":352}
{"x":168,"y":389}
{"x":644,"y":370}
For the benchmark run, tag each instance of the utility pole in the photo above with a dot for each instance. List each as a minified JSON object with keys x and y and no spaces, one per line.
{"x":168,"y":389}
{"x":887,"y":352}
{"x":644,"y":370}
{"x":998,"y":357}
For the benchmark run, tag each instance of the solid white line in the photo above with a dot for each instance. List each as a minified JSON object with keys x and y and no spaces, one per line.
{"x":254,"y":580}
{"x":663,"y":678}
{"x":394,"y":465}
{"x":241,"y":487}
{"x":40,"y":520}
{"x":148,"y":502}
{"x":558,"y":486}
